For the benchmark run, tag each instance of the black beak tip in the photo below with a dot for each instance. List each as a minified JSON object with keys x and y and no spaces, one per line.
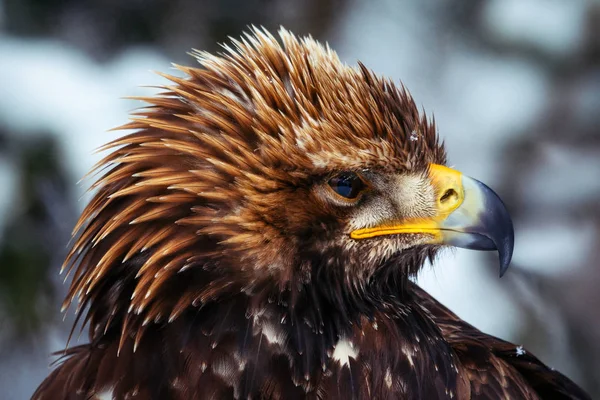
{"x":498,"y":227}
{"x":503,"y":268}
{"x":505,"y":251}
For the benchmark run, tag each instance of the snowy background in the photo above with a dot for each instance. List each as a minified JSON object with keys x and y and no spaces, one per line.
{"x":514,"y":86}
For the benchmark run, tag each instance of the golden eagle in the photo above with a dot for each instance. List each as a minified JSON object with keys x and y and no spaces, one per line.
{"x":255,"y":236}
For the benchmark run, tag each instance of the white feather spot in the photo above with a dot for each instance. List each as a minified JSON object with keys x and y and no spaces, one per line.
{"x":344,"y":349}
{"x":273,"y":335}
{"x":106,"y":394}
{"x":388,"y":378}
{"x":409,"y":355}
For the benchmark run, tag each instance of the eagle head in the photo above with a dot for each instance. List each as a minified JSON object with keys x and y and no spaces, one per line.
{"x":275,"y":171}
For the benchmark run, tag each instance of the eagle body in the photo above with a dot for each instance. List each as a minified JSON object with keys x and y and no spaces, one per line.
{"x":255,"y":235}
{"x":231,"y":350}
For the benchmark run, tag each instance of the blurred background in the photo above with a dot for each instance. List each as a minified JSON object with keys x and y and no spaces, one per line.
{"x":514,"y":86}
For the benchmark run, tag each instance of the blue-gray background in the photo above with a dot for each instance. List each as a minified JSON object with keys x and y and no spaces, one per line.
{"x":514,"y":86}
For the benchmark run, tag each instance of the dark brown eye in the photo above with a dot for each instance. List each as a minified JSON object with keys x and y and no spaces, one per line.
{"x":347,"y":184}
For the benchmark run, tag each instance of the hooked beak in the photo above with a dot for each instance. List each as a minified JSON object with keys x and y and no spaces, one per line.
{"x":468,"y":214}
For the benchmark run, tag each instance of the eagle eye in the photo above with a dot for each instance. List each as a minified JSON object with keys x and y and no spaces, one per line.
{"x":347,"y":184}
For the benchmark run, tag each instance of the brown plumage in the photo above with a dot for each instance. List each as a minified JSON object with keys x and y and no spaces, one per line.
{"x":224,"y":254}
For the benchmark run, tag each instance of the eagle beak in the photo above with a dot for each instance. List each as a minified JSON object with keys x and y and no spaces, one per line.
{"x":468,"y":214}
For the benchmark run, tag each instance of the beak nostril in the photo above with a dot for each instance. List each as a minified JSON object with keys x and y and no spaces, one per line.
{"x":448,"y":194}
